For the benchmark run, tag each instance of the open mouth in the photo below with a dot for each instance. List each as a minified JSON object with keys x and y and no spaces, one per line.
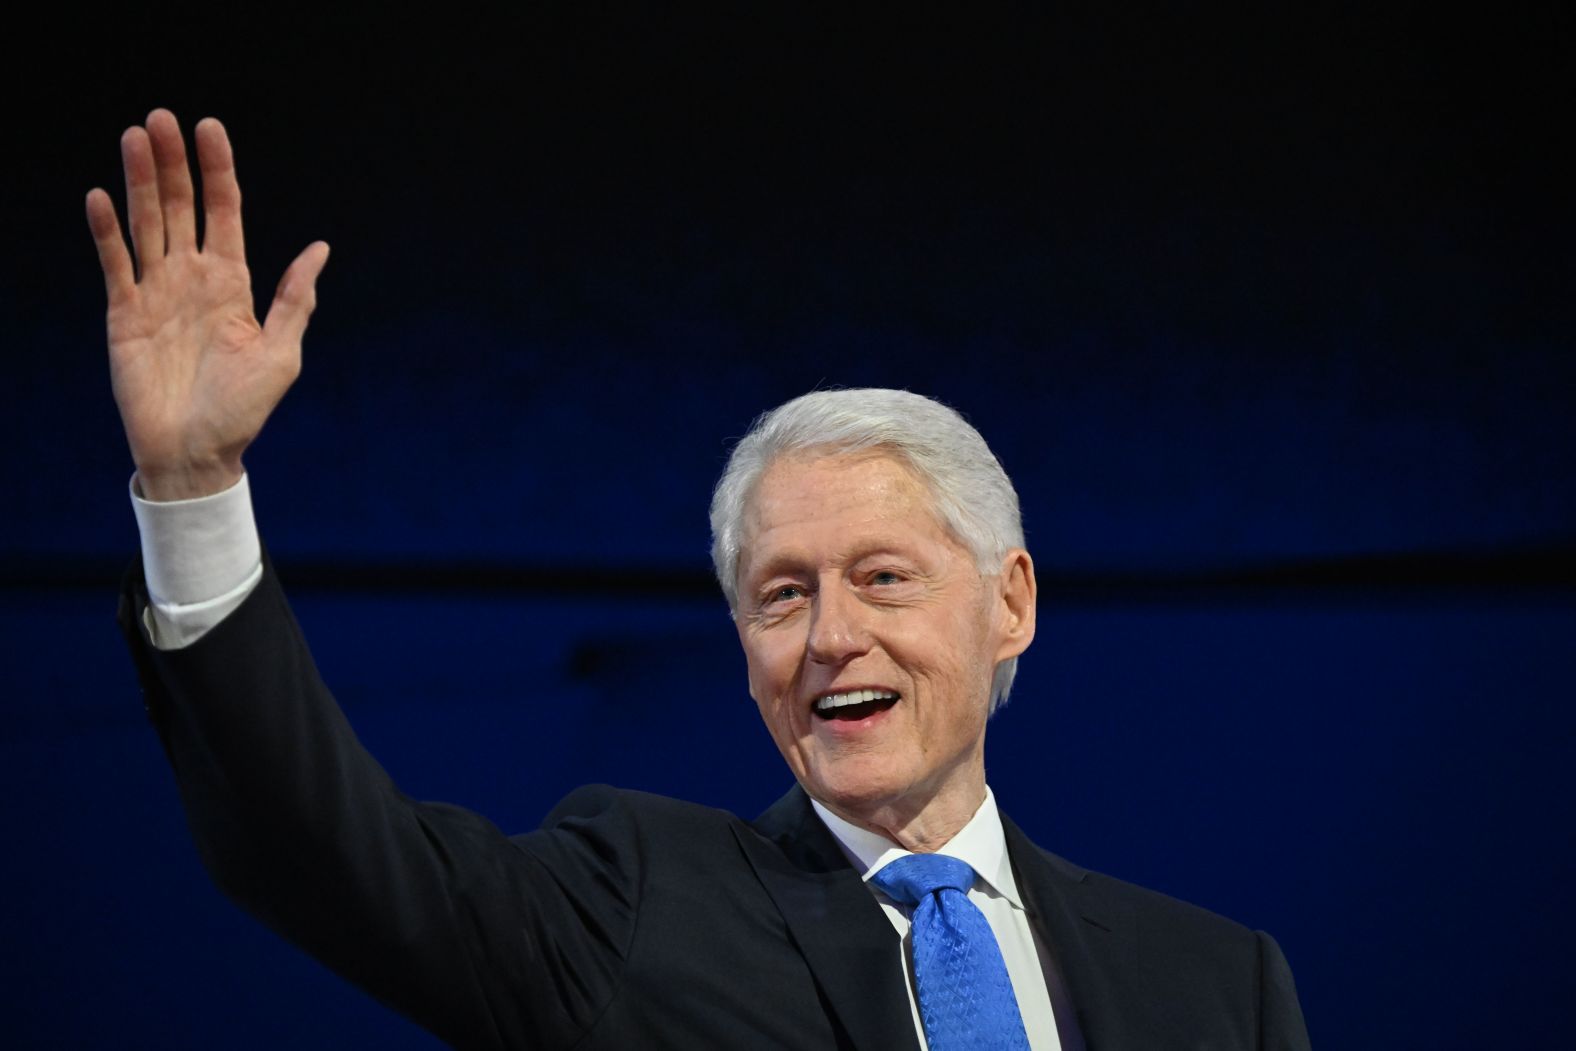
{"x":853,"y":705}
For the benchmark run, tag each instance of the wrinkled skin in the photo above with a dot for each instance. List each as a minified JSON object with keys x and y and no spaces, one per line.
{"x":848,"y":579}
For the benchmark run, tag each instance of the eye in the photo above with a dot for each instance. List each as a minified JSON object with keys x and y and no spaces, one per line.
{"x":784,"y":593}
{"x":885,"y":577}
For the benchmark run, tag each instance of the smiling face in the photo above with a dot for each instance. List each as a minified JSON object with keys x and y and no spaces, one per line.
{"x":871,"y":638}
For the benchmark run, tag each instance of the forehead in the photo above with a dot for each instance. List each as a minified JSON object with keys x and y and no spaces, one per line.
{"x":846,"y":492}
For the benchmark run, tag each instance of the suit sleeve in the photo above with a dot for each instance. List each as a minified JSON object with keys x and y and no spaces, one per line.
{"x":1281,"y":1026}
{"x":486,"y":941}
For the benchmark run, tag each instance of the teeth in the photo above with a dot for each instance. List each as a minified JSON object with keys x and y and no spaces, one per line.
{"x":843,"y":700}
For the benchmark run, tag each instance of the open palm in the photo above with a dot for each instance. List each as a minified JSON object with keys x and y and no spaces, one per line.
{"x":194,"y":373}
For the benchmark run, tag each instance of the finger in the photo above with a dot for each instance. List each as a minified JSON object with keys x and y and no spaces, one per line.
{"x":120,"y":280}
{"x":143,"y":214}
{"x":297,"y":295}
{"x":175,"y":181}
{"x":221,"y":194}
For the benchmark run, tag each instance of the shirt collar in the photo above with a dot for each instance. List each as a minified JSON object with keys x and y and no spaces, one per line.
{"x":981,"y":843}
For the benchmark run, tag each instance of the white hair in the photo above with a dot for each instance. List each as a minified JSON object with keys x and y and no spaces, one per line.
{"x":973,"y":496}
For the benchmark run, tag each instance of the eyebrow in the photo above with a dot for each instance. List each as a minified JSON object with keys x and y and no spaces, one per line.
{"x":792,"y":562}
{"x":778,"y":564}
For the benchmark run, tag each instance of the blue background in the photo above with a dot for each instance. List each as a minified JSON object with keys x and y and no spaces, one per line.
{"x":1269,"y":316}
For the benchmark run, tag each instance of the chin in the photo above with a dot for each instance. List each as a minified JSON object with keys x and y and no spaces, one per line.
{"x":856,"y":792}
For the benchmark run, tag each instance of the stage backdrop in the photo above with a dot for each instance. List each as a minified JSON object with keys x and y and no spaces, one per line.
{"x":1269,"y":318}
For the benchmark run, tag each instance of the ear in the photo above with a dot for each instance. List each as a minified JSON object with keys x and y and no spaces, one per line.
{"x":1015,"y":609}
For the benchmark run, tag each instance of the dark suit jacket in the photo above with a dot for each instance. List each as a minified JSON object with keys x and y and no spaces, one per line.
{"x":627,"y":920}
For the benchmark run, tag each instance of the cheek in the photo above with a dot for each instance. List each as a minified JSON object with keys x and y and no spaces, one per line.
{"x":958,"y":658}
{"x":771,"y":665}
{"x":777,"y":716}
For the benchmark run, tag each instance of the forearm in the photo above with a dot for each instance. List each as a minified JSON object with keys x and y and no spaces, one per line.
{"x":298,"y":823}
{"x":261,"y":749}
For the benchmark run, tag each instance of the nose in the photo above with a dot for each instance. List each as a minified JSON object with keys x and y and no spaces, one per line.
{"x":838,"y":631}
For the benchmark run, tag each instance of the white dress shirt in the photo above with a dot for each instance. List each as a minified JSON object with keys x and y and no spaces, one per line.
{"x":982,"y":845}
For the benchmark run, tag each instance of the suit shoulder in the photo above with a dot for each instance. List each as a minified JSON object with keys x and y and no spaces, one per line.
{"x":1149,"y":909}
{"x":1143,"y":913}
{"x":607,"y":804}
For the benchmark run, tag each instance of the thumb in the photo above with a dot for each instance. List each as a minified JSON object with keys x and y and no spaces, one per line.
{"x":296,"y":296}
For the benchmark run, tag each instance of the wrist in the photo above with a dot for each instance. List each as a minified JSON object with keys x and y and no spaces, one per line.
{"x":189,"y":481}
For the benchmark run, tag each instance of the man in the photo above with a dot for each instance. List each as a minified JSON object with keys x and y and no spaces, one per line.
{"x":870,"y":550}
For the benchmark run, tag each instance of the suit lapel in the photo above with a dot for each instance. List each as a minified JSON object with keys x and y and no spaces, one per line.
{"x":851,"y":947}
{"x":848,"y":943}
{"x":1083,"y":935}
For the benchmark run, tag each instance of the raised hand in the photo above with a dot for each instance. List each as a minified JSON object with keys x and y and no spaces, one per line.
{"x":194,"y":374}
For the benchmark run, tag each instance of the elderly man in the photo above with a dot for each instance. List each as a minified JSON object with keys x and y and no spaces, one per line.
{"x":870,"y":549}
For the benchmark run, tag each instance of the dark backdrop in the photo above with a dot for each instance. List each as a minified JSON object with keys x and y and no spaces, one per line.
{"x":1268,"y":314}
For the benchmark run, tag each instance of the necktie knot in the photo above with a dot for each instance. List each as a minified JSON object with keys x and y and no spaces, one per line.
{"x":914,"y":877}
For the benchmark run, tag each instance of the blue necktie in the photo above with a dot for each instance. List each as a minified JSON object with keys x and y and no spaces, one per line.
{"x":965,"y":997}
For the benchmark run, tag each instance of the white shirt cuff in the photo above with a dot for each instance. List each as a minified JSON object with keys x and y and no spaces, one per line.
{"x":200,"y":557}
